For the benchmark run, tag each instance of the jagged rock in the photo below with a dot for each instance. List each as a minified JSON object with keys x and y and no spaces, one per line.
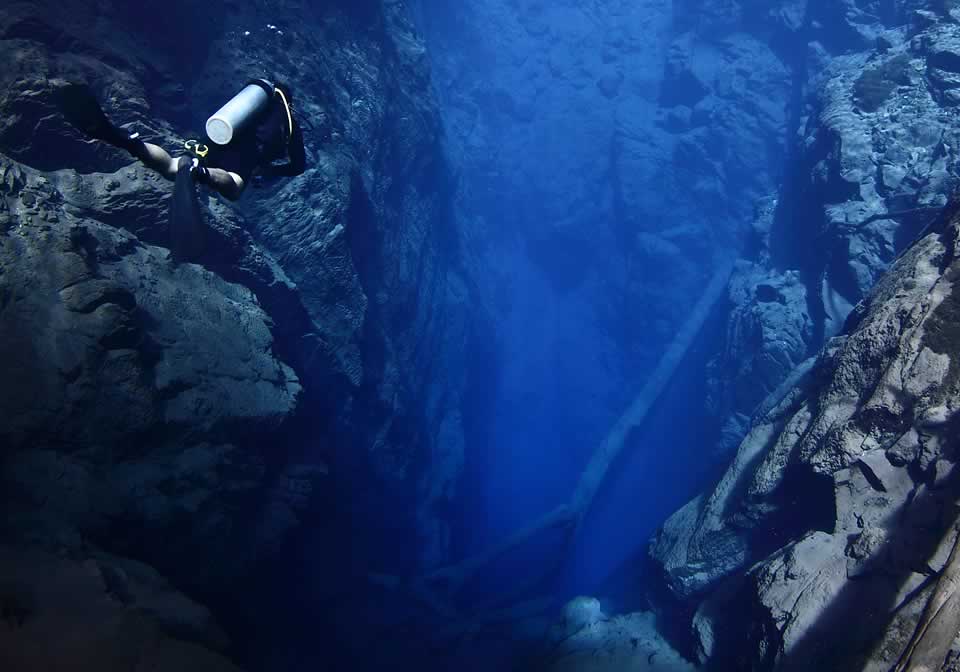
{"x":120,"y":364}
{"x":842,"y":168}
{"x":122,"y":322}
{"x":871,"y":421}
{"x":768,"y":333}
{"x":882,"y":143}
{"x":887,"y":145}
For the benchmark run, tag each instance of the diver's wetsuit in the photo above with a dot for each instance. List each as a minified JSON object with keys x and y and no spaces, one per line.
{"x":253,"y":150}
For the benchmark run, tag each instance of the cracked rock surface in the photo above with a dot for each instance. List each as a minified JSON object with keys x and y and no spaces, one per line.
{"x":875,"y":158}
{"x":838,"y":505}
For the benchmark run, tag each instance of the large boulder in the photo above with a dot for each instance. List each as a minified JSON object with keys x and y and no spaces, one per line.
{"x":838,"y":505}
{"x":131,"y":381}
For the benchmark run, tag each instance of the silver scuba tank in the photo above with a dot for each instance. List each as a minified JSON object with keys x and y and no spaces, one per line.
{"x":238,"y":111}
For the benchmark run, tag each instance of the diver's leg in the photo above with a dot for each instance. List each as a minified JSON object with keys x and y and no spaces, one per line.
{"x":157,"y":159}
{"x":81,"y":108}
{"x":229,"y":184}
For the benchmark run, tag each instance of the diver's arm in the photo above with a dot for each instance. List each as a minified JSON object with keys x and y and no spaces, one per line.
{"x":296,"y":157}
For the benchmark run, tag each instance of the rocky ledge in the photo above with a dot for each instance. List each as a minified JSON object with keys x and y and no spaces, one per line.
{"x":824,"y":533}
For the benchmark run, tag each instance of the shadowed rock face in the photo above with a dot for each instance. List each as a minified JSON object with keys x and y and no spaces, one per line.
{"x":129,"y":382}
{"x":309,"y":367}
{"x":104,"y":613}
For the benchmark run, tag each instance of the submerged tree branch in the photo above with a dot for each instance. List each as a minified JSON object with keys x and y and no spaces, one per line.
{"x":439,"y":588}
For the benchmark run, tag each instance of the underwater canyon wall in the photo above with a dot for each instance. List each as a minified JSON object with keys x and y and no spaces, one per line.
{"x":837,"y":509}
{"x":283,"y":415}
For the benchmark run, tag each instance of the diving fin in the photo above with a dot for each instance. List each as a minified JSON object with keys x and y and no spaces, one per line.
{"x":81,"y":109}
{"x":186,"y":226}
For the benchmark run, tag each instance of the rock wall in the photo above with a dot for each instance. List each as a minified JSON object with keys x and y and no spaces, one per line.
{"x":874,"y":160}
{"x":297,"y":388}
{"x":837,"y":504}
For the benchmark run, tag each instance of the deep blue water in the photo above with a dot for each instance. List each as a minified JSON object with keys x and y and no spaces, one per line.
{"x":592,"y":281}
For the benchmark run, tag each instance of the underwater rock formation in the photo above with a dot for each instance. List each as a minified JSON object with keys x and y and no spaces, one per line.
{"x":835,"y":511}
{"x":587,"y":640}
{"x":882,"y":141}
{"x":309,"y":368}
{"x":278,"y":430}
{"x":129,"y":382}
{"x":839,"y":504}
{"x":768,"y":333}
{"x":875,"y":158}
{"x":669,"y":134}
{"x":611,"y":156}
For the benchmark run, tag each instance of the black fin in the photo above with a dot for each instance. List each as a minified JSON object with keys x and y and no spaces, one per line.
{"x":81,"y":109}
{"x":187,"y":239}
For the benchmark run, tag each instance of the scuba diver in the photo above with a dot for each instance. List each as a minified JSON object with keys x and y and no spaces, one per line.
{"x":245,"y":137}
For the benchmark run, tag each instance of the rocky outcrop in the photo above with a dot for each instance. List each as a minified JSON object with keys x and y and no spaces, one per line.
{"x":875,"y":158}
{"x":768,"y":334}
{"x":838,"y":506}
{"x":587,"y":640}
{"x":886,"y":142}
{"x":130,"y":381}
{"x":821,"y":509}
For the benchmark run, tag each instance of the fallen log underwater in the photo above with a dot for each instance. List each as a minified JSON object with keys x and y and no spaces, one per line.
{"x":438,"y":589}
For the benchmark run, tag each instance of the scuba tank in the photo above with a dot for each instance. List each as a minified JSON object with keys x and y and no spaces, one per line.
{"x":239,"y":111}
